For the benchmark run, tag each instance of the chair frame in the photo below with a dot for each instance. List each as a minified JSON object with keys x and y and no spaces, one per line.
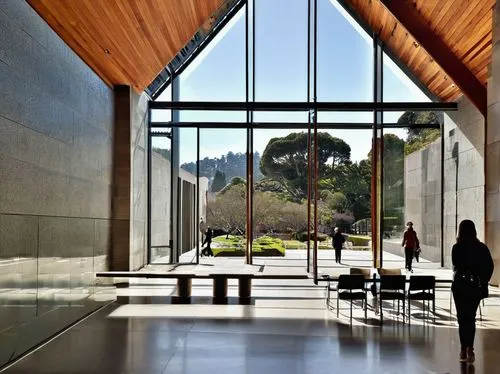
{"x":341,"y":285}
{"x":429,"y":286}
{"x":401,"y":291}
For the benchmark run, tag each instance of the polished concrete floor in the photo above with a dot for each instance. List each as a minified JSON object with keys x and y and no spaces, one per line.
{"x":287,"y":329}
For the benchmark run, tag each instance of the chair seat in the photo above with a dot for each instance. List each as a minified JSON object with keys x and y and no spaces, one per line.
{"x":352,"y":295}
{"x":421,"y":296}
{"x":386,"y":295}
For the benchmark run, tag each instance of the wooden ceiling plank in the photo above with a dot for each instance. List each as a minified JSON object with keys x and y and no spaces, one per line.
{"x":88,"y":41}
{"x":451,"y":64}
{"x":453,"y":19}
{"x":89,"y":14}
{"x":126,"y":41}
{"x":115,"y":39}
{"x":467,"y":19}
{"x":91,"y":60}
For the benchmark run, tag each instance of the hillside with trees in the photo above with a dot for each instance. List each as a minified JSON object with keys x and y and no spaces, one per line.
{"x":231,"y":165}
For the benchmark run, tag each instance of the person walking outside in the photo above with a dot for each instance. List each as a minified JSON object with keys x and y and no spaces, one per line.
{"x":410,"y":244}
{"x":338,"y":241}
{"x":207,"y":251}
{"x":472,"y":270}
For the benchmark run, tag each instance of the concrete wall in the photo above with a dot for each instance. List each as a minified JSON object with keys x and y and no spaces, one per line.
{"x":161,"y":210}
{"x":493,"y":151}
{"x":423,"y":198}
{"x":463,"y":164}
{"x":56,"y":134}
{"x":463,"y":182}
{"x":138,"y":141}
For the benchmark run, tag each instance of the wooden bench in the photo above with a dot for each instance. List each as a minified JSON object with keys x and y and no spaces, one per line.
{"x":220,"y":282}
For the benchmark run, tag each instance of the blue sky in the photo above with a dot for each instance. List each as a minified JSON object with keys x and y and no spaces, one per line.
{"x":344,"y":73}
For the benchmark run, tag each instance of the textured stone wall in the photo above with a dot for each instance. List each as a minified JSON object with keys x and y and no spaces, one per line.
{"x":423,"y":198}
{"x":161,"y":210}
{"x":463,"y":182}
{"x":56,"y":123}
{"x":463,"y":171}
{"x":139,"y":193}
{"x":493,"y":151}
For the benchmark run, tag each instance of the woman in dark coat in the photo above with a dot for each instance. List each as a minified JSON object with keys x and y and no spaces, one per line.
{"x":207,"y":251}
{"x":473,"y":267}
{"x":337,"y":243}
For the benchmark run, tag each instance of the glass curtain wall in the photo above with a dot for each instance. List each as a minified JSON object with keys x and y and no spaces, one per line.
{"x":412,"y":171}
{"x":305,"y":51}
{"x":222,"y":195}
{"x":280,"y":188}
{"x":161,"y":194}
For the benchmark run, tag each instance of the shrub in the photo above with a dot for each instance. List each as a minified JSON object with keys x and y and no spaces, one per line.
{"x":359,"y":241}
{"x":302,"y":236}
{"x":294,"y":244}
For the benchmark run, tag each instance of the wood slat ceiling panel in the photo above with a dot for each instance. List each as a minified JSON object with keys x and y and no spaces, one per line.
{"x":126,"y":41}
{"x":465,"y":26}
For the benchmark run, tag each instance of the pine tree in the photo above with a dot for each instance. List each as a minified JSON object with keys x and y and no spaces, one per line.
{"x":219,"y":181}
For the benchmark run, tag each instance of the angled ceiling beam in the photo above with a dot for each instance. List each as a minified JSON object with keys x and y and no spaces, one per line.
{"x":410,"y":19}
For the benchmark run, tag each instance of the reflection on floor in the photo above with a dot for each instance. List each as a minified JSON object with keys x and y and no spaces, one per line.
{"x":286,"y":329}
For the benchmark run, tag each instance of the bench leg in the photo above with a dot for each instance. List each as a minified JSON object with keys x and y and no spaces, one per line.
{"x":184,"y":290}
{"x":245,"y":290}
{"x":220,"y":290}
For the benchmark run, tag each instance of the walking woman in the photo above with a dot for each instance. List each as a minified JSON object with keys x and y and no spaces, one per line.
{"x":472,"y":267}
{"x":410,"y":244}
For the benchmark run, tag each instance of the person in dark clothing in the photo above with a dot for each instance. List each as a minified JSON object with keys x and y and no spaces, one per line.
{"x":207,"y":251}
{"x":338,"y":241}
{"x":473,"y":268}
{"x":410,"y":244}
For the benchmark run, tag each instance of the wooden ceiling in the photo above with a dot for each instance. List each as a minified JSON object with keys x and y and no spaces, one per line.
{"x":126,"y":41}
{"x":465,"y":27}
{"x":131,"y":41}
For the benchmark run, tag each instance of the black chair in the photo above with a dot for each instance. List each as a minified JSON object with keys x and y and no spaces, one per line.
{"x":351,"y":287}
{"x":422,"y":288}
{"x":392,"y":287}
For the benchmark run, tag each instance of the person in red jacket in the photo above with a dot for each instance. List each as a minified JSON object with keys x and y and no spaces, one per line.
{"x":410,"y":244}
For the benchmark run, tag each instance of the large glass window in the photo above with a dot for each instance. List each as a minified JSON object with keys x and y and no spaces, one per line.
{"x":344,"y":199}
{"x":280,"y":192}
{"x":411,"y":187}
{"x":161,"y":189}
{"x":408,"y":182}
{"x":281,"y":50}
{"x":218,"y":72}
{"x":344,"y":56}
{"x":223,"y":193}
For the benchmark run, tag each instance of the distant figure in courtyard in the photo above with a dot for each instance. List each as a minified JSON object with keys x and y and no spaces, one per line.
{"x":472,"y":270}
{"x":207,"y":251}
{"x":203,"y":227}
{"x":338,"y":241}
{"x":410,"y":244}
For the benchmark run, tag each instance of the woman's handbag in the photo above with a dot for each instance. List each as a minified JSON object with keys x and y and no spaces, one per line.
{"x":466,"y":279}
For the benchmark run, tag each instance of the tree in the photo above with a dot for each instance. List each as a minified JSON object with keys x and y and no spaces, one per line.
{"x":285,"y":160}
{"x":393,"y":182}
{"x":234,"y":182}
{"x":232,"y":165}
{"x":228,"y":211}
{"x":418,"y":138}
{"x":219,"y":181}
{"x":353,"y":180}
{"x":165,"y":153}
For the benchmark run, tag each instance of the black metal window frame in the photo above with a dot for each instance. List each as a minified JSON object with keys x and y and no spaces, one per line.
{"x":312,"y":106}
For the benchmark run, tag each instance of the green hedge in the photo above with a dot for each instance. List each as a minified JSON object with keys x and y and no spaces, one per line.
{"x":359,"y":240}
{"x":235,"y":245}
{"x":294,"y":244}
{"x":302,"y":236}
